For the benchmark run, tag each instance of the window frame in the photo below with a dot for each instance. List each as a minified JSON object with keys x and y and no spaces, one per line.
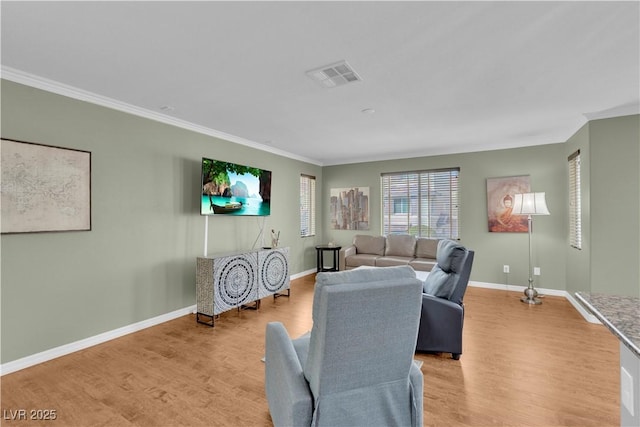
{"x":575,"y":200}
{"x":432,"y":196}
{"x":307,"y":205}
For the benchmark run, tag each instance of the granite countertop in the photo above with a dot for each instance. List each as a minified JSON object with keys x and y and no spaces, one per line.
{"x":621,"y":314}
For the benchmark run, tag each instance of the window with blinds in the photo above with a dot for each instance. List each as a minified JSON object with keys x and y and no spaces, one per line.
{"x":575,"y":202}
{"x":307,"y":205}
{"x":421,"y":203}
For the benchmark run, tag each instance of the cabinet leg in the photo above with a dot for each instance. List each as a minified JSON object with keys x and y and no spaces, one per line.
{"x":208,"y":323}
{"x":288,"y":294}
{"x":256,"y":306}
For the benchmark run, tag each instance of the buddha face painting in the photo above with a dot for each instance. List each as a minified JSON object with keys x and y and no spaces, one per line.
{"x":500,"y":199}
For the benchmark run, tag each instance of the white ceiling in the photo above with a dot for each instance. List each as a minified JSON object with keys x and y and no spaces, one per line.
{"x":442,"y":77}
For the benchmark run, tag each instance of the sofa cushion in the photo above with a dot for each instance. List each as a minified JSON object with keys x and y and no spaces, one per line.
{"x":365,"y":244}
{"x":360,"y":260}
{"x":389,"y":261}
{"x":403,"y":245}
{"x":426,"y":247}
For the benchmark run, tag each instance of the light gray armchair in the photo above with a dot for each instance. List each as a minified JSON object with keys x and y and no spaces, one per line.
{"x":442,"y":315}
{"x":355,"y":367}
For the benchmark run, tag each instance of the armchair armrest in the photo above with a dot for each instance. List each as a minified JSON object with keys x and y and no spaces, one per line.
{"x":441,"y":324}
{"x":288,"y":394}
{"x":446,"y":315}
{"x":440,"y":306}
{"x":344,"y":253}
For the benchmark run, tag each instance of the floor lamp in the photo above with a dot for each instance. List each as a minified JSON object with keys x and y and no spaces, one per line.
{"x":530,"y":204}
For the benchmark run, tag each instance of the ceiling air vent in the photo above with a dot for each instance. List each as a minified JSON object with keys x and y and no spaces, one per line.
{"x":333,"y":75}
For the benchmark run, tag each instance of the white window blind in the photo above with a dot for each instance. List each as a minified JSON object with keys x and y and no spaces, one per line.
{"x":575,"y":202}
{"x":421,"y":203}
{"x":307,"y":205}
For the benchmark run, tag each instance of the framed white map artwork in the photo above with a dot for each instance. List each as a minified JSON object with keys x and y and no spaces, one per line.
{"x":44,"y":188}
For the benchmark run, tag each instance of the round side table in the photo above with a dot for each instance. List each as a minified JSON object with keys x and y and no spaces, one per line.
{"x":320,"y":250}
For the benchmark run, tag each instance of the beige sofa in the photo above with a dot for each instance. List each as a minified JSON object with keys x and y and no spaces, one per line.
{"x":394,"y":249}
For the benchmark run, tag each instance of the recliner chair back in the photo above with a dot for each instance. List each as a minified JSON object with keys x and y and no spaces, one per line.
{"x":450,"y":276}
{"x":464,"y":273}
{"x":442,"y":316}
{"x":355,"y":367}
{"x":361,"y":350}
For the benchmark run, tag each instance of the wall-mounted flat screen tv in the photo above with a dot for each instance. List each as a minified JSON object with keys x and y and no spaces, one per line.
{"x":234,"y":189}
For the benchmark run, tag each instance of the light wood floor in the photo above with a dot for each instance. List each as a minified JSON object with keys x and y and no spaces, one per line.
{"x":521,"y":366}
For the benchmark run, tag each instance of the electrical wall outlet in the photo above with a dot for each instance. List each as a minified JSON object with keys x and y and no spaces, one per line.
{"x":505,"y":268}
{"x":536,"y":271}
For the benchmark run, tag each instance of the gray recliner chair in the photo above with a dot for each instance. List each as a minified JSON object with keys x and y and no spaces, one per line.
{"x":355,"y":367}
{"x":442,"y":314}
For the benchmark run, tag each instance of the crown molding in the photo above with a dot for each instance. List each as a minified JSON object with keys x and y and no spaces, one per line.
{"x":629,"y":109}
{"x":27,"y":79}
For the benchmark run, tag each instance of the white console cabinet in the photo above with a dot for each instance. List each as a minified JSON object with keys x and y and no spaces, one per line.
{"x":228,"y":281}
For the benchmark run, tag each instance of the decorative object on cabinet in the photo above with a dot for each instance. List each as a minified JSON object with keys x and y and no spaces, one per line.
{"x":275,"y":238}
{"x":44,"y":188}
{"x":231,"y":281}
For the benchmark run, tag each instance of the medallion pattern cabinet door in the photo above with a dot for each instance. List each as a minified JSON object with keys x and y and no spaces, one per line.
{"x":229,"y":281}
{"x":234,"y":281}
{"x":273,"y":271}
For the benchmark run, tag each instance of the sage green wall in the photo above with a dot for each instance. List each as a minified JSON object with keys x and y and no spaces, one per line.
{"x":608,"y":262}
{"x":578,"y":260}
{"x":138,"y":261}
{"x":546,"y":166}
{"x":615,"y":205}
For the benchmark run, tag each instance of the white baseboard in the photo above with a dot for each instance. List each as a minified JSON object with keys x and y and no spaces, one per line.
{"x":63,"y":350}
{"x":303,"y":273}
{"x":542,"y":291}
{"x":517,"y":288}
{"x":34,"y":359}
{"x":583,"y":311}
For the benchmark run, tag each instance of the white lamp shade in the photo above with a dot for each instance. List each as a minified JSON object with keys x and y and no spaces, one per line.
{"x":529,"y":204}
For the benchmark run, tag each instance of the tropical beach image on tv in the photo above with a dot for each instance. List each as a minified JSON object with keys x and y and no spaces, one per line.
{"x":234,"y":189}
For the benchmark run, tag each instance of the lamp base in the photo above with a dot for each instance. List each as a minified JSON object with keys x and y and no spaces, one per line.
{"x":531,"y":300}
{"x":530,"y":295}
